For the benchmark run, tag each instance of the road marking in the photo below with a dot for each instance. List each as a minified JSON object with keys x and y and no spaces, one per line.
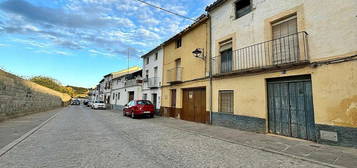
{"x":11,"y":145}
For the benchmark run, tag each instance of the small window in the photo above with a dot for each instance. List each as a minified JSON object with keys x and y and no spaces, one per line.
{"x":226,"y":101}
{"x":118,"y":96}
{"x":179,"y":43}
{"x":147,"y":60}
{"x":243,"y":7}
{"x":156,"y":56}
{"x":113,"y":96}
{"x":147,"y":74}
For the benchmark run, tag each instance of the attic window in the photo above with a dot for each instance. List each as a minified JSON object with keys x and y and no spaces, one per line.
{"x":179,"y":43}
{"x":243,"y":7}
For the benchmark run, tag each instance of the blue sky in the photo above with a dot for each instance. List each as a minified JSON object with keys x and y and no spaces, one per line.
{"x":79,"y":41}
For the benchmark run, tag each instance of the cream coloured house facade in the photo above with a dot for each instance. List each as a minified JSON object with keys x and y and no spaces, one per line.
{"x":286,"y":67}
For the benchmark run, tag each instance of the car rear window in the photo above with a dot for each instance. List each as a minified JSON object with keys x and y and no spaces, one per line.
{"x":99,"y":101}
{"x":143,"y":102}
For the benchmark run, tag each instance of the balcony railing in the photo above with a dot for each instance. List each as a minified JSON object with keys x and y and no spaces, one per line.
{"x":153,"y":82}
{"x":132,"y":82}
{"x":174,"y":75}
{"x":283,"y":51}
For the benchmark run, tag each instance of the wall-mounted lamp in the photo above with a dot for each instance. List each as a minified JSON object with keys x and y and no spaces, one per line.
{"x":199,"y":53}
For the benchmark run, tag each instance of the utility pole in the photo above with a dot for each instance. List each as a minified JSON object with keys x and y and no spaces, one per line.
{"x":128,"y":59}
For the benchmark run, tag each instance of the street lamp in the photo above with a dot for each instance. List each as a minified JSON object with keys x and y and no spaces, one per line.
{"x":199,"y":53}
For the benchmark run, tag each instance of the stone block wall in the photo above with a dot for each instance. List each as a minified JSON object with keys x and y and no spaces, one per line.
{"x":20,"y":97}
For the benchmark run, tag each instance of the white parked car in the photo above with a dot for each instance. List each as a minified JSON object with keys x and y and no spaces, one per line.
{"x":98,"y":105}
{"x":90,"y":102}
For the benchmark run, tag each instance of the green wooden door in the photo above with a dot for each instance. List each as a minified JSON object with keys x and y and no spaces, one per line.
{"x":291,"y":107}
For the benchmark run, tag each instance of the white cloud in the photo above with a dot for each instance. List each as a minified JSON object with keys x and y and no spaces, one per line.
{"x":4,"y":45}
{"x":144,"y":33}
{"x":96,"y":52}
{"x":31,"y":42}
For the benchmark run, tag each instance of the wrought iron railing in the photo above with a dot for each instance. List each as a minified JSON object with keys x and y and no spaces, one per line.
{"x":290,"y":49}
{"x":174,"y":75}
{"x":153,"y":82}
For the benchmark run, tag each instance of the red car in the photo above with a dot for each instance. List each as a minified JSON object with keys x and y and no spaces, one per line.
{"x":139,"y":108}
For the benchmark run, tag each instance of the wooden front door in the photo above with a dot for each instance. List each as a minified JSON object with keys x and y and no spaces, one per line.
{"x":194,"y":105}
{"x":291,"y":108}
{"x":173,"y":98}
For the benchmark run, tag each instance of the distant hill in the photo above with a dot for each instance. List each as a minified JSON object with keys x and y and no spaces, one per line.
{"x":54,"y":84}
{"x":79,"y":91}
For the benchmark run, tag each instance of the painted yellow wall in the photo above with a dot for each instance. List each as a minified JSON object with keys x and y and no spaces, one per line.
{"x":193,"y":68}
{"x":334,"y":93}
{"x":166,"y":93}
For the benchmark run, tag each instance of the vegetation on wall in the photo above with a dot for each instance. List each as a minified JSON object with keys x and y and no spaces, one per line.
{"x":56,"y":85}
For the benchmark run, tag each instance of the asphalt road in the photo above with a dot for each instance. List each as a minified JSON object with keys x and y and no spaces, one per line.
{"x":81,"y":137}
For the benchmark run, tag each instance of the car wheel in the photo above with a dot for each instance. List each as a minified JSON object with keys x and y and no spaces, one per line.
{"x":124,"y":114}
{"x":151,"y":115}
{"x":132,"y":115}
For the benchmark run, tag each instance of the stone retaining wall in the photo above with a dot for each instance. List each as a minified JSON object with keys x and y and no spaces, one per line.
{"x":20,"y":97}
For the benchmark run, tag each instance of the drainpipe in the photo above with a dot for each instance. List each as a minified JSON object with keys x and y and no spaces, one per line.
{"x":210,"y":69}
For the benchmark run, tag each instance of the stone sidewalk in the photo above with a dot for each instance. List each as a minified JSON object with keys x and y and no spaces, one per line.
{"x":333,"y":156}
{"x":12,"y":129}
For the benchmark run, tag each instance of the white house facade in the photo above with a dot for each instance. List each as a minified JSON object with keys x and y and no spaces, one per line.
{"x":152,"y":76}
{"x":126,"y":86}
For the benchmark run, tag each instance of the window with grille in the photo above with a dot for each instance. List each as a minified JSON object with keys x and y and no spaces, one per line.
{"x":226,"y":101}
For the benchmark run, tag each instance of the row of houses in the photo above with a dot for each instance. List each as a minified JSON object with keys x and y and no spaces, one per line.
{"x":286,"y":67}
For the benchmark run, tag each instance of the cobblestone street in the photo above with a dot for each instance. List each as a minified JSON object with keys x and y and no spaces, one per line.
{"x":81,"y":137}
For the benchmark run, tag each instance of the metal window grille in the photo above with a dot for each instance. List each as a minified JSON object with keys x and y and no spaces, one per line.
{"x":226,"y":101}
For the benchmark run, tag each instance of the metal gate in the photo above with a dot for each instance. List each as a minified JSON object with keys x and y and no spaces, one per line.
{"x":291,"y":108}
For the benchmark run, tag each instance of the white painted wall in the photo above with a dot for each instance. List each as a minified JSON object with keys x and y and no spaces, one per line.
{"x":331,"y":24}
{"x":101,"y":92}
{"x":152,"y":64}
{"x":118,"y":86}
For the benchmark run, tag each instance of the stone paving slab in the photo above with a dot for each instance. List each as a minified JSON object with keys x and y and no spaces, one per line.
{"x":335,"y":155}
{"x":80,"y":137}
{"x":16,"y":127}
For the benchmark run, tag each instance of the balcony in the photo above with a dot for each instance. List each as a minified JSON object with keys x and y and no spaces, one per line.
{"x":174,"y":75}
{"x":283,"y":52}
{"x":132,"y":82}
{"x":153,"y":82}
